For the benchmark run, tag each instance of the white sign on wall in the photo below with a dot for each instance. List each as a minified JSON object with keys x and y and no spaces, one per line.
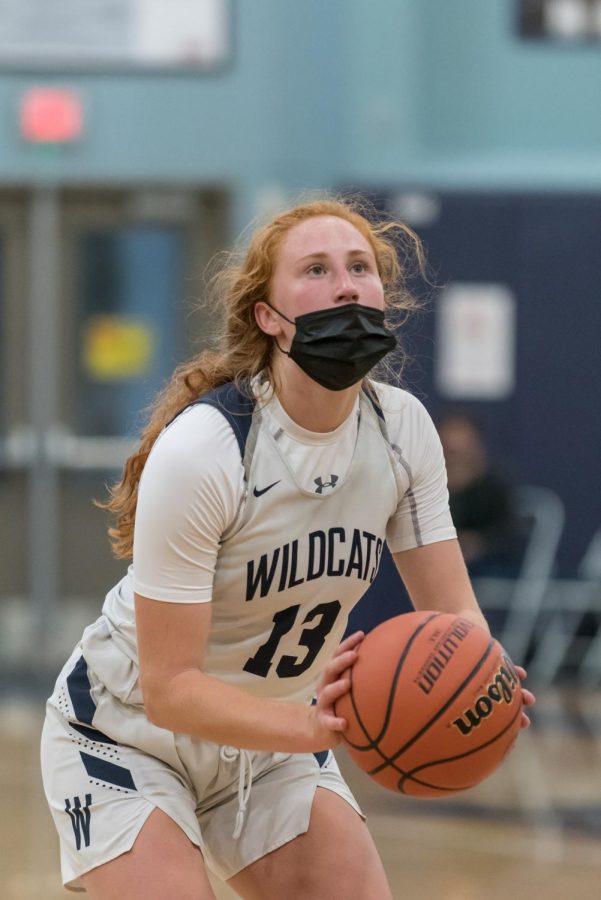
{"x":475,"y":342}
{"x":115,"y":34}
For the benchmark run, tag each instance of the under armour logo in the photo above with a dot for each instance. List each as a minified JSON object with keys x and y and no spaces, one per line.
{"x":80,"y":819}
{"x":321,"y":484}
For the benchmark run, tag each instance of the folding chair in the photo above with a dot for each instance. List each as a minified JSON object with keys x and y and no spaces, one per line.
{"x":569,"y":600}
{"x":520,"y":600}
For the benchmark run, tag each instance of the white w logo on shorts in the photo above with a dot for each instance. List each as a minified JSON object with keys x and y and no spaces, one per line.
{"x":80,"y":819}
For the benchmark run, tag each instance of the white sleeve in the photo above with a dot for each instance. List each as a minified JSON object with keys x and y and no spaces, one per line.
{"x":422,"y":516}
{"x":189,"y":494}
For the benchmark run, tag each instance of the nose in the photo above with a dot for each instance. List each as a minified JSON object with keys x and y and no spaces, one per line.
{"x":346,"y":289}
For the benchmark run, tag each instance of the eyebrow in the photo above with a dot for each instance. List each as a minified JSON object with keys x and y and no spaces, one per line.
{"x":321,"y":255}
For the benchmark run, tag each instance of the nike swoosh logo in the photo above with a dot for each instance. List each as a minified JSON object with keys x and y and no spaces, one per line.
{"x":264,"y":490}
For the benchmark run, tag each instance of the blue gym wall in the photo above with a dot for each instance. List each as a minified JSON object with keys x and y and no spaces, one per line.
{"x":271,"y":118}
{"x":321,"y":93}
{"x":385,"y":95}
{"x":454,"y":99}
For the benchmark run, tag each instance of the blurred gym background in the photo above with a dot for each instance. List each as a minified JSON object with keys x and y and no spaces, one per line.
{"x":140,"y":137}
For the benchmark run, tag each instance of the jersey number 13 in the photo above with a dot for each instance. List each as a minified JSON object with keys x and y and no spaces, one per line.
{"x":312,"y":638}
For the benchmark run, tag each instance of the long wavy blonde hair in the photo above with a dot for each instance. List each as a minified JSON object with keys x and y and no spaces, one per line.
{"x":243,"y":351}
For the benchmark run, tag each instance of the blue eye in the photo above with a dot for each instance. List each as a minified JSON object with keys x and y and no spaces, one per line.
{"x":359,"y":267}
{"x":316,"y":269}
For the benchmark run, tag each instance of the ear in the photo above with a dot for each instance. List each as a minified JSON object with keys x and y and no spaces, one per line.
{"x":266,"y":319}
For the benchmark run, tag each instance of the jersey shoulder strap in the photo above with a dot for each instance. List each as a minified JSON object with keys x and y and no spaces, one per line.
{"x":373,"y":399}
{"x":237,"y":407}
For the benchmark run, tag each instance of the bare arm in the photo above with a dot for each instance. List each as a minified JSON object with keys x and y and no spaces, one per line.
{"x":179,"y":696}
{"x":436,"y":578}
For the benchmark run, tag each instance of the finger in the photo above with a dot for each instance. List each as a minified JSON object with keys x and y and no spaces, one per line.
{"x":332,"y":692}
{"x":350,"y":643}
{"x":525,"y":722}
{"x":522,"y":673}
{"x":333,"y":723}
{"x":339,"y":664}
{"x":528,"y":697}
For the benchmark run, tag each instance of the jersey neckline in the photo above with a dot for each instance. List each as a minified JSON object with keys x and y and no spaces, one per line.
{"x":276,"y":412}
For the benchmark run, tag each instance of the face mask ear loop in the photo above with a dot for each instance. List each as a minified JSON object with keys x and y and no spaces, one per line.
{"x":292,"y":322}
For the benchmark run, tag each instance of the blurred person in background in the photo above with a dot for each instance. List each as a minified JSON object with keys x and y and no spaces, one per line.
{"x":194,"y":722}
{"x":480,"y":499}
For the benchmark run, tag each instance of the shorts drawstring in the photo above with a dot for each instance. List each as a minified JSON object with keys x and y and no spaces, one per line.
{"x":228,"y":754}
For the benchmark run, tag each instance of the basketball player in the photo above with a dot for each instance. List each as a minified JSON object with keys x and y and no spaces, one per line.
{"x":181,"y":733}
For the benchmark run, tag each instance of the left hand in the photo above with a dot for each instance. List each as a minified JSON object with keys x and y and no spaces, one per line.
{"x":528,"y":697}
{"x":335,"y":682}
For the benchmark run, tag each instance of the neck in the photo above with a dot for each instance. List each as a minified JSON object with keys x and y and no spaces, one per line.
{"x":309,"y":404}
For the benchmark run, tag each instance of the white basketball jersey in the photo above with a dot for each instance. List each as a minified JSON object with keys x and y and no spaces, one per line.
{"x":297,"y":563}
{"x":291,"y":566}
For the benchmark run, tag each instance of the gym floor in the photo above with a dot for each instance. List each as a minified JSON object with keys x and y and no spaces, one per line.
{"x":531,"y":830}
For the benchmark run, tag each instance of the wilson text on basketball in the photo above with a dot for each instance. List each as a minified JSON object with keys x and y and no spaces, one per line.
{"x":500,"y":690}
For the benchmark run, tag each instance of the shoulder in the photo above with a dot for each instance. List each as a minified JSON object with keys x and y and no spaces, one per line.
{"x":190,"y":493}
{"x":400,"y":406}
{"x":409,"y":426}
{"x":198,"y":439}
{"x":193,"y":477}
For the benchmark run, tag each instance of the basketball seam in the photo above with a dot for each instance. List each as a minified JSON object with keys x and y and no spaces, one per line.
{"x":439,"y":713}
{"x":372,"y":745}
{"x":410,"y":775}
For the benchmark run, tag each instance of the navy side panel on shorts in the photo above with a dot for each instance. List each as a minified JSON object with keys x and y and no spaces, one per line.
{"x":92,"y":734}
{"x":107,"y":771}
{"x":80,"y":692}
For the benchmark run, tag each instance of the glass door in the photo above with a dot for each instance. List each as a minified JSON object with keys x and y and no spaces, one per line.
{"x":109,"y":308}
{"x":15,"y":436}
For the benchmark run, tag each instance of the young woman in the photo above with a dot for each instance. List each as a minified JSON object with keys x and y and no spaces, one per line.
{"x":194,"y":722}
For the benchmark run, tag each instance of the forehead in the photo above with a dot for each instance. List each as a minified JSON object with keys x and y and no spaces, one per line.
{"x":322,"y":234}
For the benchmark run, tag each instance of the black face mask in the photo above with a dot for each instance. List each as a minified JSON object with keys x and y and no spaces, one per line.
{"x":337,"y":346}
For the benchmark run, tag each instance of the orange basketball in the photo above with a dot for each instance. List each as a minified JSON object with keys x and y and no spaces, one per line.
{"x":435,"y":704}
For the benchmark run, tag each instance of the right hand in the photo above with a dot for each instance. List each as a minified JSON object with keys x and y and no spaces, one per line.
{"x":528,"y":698}
{"x":335,"y":682}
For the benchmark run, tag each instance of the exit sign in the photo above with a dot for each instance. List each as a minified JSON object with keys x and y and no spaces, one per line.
{"x":51,"y":115}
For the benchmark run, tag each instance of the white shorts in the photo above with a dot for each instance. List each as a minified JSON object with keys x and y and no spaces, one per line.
{"x":105,"y":768}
